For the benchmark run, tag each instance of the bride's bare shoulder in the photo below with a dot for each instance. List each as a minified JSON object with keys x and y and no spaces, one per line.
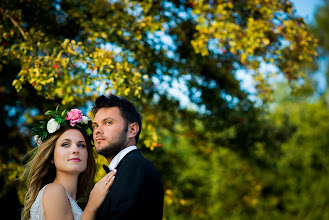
{"x":55,"y":201}
{"x":54,"y":190}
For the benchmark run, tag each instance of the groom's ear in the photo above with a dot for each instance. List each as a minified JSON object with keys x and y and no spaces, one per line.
{"x":133,"y":129}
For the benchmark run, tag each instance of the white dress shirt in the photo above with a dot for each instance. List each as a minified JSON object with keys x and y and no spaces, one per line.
{"x":116,"y":160}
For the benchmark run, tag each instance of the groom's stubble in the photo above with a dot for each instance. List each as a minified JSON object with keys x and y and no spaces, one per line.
{"x":115,"y":145}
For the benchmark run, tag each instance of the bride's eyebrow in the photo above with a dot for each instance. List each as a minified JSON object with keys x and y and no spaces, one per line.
{"x":66,"y":140}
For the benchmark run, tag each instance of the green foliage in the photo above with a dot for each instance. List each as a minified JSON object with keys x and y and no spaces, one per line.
{"x":302,"y":165}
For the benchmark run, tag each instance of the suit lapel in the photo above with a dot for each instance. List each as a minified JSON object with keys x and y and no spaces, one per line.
{"x":126,"y":157}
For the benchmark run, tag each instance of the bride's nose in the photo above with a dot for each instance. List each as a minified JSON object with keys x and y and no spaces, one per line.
{"x":75,"y":149}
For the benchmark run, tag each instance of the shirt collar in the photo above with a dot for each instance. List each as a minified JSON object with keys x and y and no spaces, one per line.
{"x":116,"y":160}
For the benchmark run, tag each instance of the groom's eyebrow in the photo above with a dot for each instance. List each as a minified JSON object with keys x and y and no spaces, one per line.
{"x":108,"y":118}
{"x":103,"y":120}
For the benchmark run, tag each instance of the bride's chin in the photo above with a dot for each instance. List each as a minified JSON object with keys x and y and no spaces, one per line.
{"x":76,"y":172}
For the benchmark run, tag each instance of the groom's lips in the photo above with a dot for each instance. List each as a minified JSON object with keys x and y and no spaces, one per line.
{"x":99,"y":139}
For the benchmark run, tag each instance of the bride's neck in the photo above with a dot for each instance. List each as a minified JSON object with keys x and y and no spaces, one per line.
{"x":69,"y":182}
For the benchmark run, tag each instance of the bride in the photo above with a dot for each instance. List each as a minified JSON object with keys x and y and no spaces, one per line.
{"x":62,"y":169}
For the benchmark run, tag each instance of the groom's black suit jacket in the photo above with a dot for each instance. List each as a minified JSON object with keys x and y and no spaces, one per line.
{"x":136,"y":193}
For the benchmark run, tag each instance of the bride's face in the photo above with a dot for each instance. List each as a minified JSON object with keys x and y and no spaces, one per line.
{"x":70,"y":154}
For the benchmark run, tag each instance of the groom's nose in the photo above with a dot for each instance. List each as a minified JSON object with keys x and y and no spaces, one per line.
{"x":98,"y":130}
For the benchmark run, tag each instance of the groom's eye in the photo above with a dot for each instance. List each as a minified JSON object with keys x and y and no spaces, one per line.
{"x":108,"y":122}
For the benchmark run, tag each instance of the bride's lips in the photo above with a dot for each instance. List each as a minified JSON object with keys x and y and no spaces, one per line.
{"x":75,"y":159}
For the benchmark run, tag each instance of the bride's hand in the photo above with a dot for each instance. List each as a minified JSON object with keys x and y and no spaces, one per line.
{"x":100,"y":190}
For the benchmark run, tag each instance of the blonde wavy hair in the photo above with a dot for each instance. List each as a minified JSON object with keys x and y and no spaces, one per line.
{"x":40,"y":170}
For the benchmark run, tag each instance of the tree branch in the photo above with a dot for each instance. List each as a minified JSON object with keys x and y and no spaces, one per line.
{"x":14,"y":22}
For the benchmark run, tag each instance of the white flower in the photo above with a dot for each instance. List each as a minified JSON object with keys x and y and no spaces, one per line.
{"x":85,"y":120}
{"x":52,"y":126}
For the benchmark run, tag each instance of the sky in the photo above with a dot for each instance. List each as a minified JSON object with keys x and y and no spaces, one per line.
{"x":306,"y":8}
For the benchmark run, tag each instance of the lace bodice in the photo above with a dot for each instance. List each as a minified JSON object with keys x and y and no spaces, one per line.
{"x":37,"y":213}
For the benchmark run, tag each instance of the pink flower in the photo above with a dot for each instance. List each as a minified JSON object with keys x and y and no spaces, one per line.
{"x":75,"y":116}
{"x":37,"y":139}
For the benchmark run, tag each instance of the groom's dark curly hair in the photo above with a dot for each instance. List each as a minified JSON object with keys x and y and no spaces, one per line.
{"x":127,"y":109}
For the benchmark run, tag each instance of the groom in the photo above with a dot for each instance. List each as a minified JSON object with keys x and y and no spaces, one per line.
{"x":137,"y":191}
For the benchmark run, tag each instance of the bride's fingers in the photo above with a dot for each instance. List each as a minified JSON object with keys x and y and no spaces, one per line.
{"x":110,"y":178}
{"x":110,"y":174}
{"x":109,"y":184}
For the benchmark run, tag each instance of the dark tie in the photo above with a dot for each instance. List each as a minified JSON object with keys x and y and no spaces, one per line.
{"x":107,"y":170}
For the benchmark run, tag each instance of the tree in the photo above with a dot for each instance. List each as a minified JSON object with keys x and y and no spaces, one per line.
{"x":67,"y":52}
{"x":320,"y":30}
{"x":298,"y":183}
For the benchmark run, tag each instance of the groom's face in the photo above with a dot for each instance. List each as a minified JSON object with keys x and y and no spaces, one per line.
{"x":109,"y":131}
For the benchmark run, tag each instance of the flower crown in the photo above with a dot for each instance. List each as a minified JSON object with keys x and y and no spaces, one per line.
{"x":74,"y":118}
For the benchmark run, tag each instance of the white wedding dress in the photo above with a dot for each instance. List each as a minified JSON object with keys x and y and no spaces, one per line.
{"x":37,"y":213}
